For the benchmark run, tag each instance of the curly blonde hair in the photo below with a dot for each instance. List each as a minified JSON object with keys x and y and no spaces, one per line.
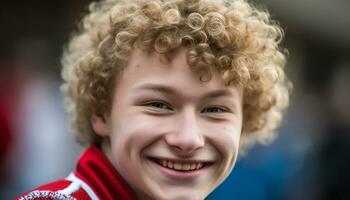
{"x":232,"y":37}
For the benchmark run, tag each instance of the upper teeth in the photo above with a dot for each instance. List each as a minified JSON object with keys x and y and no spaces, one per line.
{"x":180,"y":166}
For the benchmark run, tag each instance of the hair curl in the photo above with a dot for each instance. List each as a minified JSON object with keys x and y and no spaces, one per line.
{"x":233,"y":37}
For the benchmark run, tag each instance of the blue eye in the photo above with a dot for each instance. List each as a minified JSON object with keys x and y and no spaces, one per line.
{"x":215,"y":110}
{"x":159,"y":105}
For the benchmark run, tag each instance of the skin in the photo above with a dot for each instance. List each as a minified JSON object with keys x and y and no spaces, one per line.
{"x":161,"y":110}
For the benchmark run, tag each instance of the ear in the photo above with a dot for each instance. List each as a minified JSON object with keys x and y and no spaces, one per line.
{"x":100,"y":126}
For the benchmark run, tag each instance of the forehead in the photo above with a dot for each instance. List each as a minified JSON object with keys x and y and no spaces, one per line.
{"x":169,"y":71}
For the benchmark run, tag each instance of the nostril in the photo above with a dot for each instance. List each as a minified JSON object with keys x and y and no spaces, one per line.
{"x":184,"y":143}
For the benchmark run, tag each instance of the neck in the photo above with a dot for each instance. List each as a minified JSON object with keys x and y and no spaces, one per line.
{"x":106,"y":149}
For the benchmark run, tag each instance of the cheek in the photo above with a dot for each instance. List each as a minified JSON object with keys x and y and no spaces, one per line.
{"x":226,"y":139}
{"x":228,"y":144}
{"x":134,"y":132}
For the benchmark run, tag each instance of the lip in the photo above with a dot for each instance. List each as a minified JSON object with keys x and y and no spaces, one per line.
{"x":181,"y":175}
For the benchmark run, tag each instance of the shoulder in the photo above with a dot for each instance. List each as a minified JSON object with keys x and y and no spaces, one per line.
{"x":71,"y":188}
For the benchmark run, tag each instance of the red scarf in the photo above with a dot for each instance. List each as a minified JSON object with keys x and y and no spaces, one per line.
{"x":96,"y":170}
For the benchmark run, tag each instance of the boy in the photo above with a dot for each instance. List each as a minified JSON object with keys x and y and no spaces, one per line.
{"x":164,"y":93}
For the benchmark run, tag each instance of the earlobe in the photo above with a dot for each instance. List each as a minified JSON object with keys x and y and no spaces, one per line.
{"x":99,"y":125}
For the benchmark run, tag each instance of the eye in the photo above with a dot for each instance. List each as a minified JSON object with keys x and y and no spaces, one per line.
{"x":159,"y":105}
{"x":215,"y":110}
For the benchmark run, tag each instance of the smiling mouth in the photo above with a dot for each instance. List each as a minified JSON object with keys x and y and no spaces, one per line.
{"x":181,"y":166}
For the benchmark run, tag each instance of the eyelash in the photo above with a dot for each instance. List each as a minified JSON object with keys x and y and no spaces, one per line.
{"x":154,"y":104}
{"x":218,"y":109}
{"x":162,"y":105}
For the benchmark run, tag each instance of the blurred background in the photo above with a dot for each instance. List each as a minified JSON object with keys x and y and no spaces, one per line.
{"x":310,"y":159}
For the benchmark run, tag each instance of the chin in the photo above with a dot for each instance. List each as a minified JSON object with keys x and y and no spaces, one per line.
{"x":179,"y":196}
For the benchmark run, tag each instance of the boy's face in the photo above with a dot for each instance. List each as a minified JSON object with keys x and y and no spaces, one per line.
{"x":172,"y":136}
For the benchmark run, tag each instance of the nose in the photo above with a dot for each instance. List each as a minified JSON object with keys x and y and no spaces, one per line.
{"x":186,"y":137}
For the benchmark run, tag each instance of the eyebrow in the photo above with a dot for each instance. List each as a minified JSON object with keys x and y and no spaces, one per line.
{"x":174,"y":92}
